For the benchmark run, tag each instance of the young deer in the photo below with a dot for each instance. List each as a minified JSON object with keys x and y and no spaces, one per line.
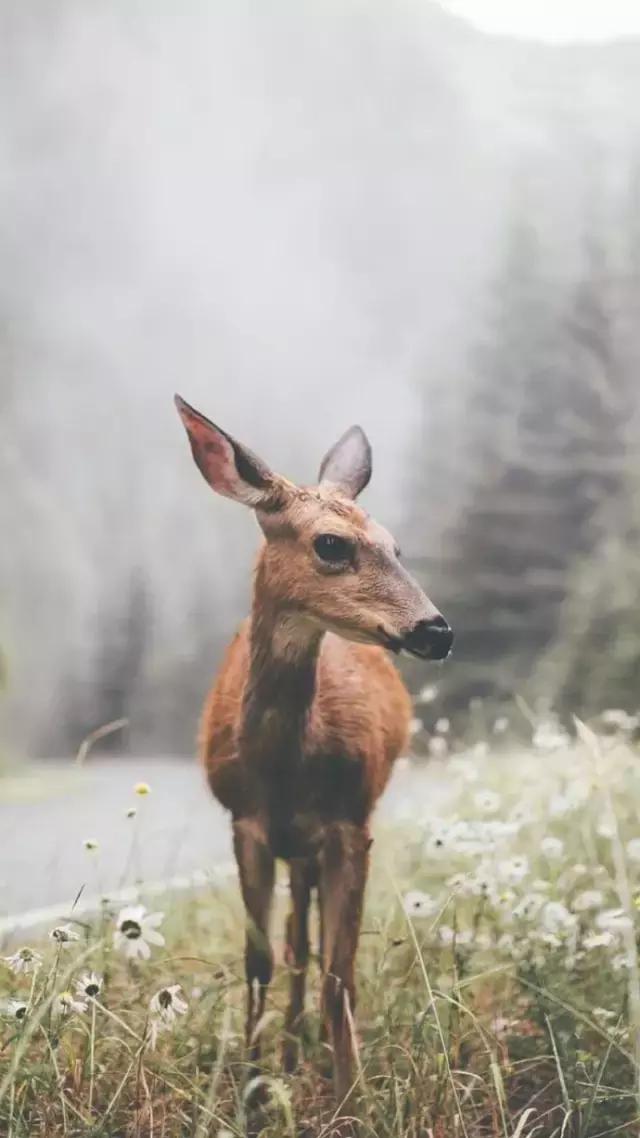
{"x":308,"y":714}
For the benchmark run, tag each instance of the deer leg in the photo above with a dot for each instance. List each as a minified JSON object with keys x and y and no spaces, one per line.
{"x":344,"y":862}
{"x":297,"y":957}
{"x":256,"y":869}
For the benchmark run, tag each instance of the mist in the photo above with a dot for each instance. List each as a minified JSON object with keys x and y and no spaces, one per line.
{"x":293,"y":215}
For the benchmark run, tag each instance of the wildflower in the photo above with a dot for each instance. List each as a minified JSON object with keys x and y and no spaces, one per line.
{"x":64,"y":935}
{"x":560,"y":805}
{"x":603,"y":1013}
{"x":442,"y":726}
{"x":619,"y":720}
{"x":427,"y":694}
{"x":166,"y":1005}
{"x":142,"y":789}
{"x":606,"y":827}
{"x":89,"y":986}
{"x":487,"y":801}
{"x":549,"y":736}
{"x":16,"y":1009}
{"x":136,"y":930}
{"x":528,"y":907}
{"x":438,"y":746}
{"x":588,"y":899}
{"x":65,"y":1005}
{"x":131,"y":812}
{"x":417,"y":904}
{"x":598,"y":940}
{"x":552,"y":848}
{"x":415,"y":726}
{"x":633,"y":849}
{"x":25,"y":960}
{"x":556,"y":918}
{"x":614,"y":920}
{"x":514,"y":870}
{"x":90,"y":844}
{"x":446,"y":934}
{"x":500,"y":725}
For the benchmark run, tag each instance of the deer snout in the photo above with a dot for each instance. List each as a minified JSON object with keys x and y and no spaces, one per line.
{"x":429,"y":639}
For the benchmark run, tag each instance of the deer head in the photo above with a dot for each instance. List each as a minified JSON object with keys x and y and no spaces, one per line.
{"x":325,"y":564}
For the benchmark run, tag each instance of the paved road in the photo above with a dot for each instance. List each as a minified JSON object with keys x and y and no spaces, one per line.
{"x":47,"y":813}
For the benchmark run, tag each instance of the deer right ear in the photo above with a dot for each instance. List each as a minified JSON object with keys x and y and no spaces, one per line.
{"x":230,"y":468}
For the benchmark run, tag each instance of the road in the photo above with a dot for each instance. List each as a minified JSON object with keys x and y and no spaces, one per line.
{"x":48,"y":812}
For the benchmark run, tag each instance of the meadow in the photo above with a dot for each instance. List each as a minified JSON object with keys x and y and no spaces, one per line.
{"x":499,"y":985}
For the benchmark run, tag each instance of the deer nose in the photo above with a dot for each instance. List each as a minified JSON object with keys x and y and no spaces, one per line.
{"x":429,"y":639}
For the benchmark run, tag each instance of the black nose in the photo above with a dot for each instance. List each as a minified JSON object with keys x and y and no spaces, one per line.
{"x":429,"y":639}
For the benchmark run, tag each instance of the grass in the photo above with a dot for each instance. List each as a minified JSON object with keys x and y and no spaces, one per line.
{"x":498,"y":979}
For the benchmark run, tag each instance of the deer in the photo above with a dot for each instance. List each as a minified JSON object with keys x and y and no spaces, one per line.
{"x":307,"y":716}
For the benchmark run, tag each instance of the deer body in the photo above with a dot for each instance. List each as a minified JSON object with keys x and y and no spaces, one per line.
{"x":308,"y":714}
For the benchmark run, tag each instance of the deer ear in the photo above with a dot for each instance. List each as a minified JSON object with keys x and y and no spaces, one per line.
{"x":348,"y":464}
{"x":230,"y":468}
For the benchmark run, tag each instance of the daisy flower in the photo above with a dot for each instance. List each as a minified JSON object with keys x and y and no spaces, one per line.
{"x":25,"y":960}
{"x":552,"y":848}
{"x":136,"y":930}
{"x":588,"y":899}
{"x":88,"y":986}
{"x":65,"y":1005}
{"x":417,"y":904}
{"x":167,"y":1005}
{"x":64,"y":935}
{"x":16,"y":1009}
{"x":514,"y":870}
{"x":633,"y":849}
{"x":487,"y":801}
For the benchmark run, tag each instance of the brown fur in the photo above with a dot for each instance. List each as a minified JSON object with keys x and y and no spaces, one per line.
{"x":307,"y":716}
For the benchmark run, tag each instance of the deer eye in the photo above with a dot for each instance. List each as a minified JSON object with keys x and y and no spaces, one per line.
{"x":333,"y":550}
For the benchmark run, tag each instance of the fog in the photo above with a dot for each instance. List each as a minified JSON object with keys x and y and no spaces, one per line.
{"x":291,"y":213}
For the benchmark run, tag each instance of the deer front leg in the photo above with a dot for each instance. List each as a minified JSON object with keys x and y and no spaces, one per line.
{"x":344,"y":863}
{"x":256,"y":870}
{"x":297,"y":957}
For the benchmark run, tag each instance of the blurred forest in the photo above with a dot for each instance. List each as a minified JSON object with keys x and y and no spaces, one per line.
{"x":301,"y":216}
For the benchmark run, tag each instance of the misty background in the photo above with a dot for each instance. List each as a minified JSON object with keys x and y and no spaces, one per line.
{"x":302,"y":216}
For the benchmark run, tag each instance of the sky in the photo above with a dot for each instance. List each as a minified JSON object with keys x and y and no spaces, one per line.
{"x":556,"y":20}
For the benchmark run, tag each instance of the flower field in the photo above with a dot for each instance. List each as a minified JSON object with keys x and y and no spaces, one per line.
{"x":499,"y":989}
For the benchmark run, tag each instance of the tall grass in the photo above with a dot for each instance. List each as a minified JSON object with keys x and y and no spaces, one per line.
{"x":498,"y":979}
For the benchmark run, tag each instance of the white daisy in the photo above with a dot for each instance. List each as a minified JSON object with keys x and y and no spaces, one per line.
{"x":427,"y":694}
{"x":500,"y":725}
{"x":528,"y":907}
{"x":633,"y":849}
{"x":65,"y":1005}
{"x":614,"y":920}
{"x":487,"y":801}
{"x":64,"y":935}
{"x":598,"y":940}
{"x":167,"y":1005}
{"x":136,"y":930}
{"x":588,"y":899}
{"x":552,"y":848}
{"x":556,"y":918}
{"x":417,"y":904}
{"x":514,"y":870}
{"x":442,"y":726}
{"x":16,"y":1009}
{"x":88,"y":986}
{"x":438,"y":746}
{"x":24,"y":960}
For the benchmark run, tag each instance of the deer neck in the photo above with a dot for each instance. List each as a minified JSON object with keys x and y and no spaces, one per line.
{"x":281,"y":684}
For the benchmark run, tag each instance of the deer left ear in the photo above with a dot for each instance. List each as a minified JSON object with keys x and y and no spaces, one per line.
{"x":230,"y":468}
{"x":348,"y":464}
